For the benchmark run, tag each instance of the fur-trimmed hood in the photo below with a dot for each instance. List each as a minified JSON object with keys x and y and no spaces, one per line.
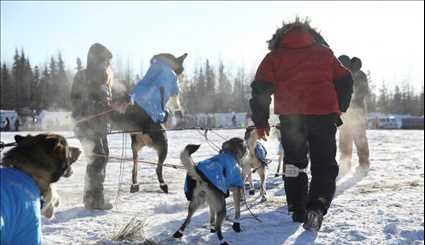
{"x":297,"y":34}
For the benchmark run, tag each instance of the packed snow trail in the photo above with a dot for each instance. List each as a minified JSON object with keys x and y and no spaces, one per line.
{"x":384,"y":207}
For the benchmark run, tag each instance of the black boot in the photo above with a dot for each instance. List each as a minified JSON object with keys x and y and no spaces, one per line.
{"x":314,"y":219}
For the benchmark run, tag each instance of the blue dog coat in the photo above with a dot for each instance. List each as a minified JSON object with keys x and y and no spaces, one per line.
{"x":155,"y":89}
{"x":261,"y":153}
{"x":20,"y":215}
{"x":220,"y":171}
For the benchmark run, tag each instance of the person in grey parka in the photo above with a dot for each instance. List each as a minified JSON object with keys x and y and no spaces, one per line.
{"x":91,"y":96}
{"x":355,"y":119}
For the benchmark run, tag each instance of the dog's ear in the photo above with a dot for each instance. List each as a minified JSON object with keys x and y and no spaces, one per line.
{"x":181,"y":58}
{"x":51,"y":143}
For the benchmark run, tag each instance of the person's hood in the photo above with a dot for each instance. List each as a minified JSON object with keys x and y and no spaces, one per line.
{"x":297,"y":39}
{"x":98,"y":53}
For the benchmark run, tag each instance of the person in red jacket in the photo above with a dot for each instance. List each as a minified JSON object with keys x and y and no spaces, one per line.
{"x":311,"y":88}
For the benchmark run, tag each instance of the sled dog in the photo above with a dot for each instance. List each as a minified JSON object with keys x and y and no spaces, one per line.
{"x":206,"y":191}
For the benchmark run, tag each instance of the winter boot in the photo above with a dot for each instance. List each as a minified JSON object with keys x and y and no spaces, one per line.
{"x":314,"y":219}
{"x":96,"y":202}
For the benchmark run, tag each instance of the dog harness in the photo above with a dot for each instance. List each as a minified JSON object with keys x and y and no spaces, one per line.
{"x":20,"y":215}
{"x":155,"y":89}
{"x":220,"y":171}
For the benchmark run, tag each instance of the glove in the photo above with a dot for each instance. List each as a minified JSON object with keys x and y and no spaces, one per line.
{"x":263,"y":132}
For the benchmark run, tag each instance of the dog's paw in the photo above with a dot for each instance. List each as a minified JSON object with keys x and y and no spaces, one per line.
{"x":276,"y":175}
{"x":164,"y":187}
{"x":178,"y":234}
{"x":134,"y":188}
{"x":237,"y":227}
{"x":251,"y":192}
{"x":212,"y":230}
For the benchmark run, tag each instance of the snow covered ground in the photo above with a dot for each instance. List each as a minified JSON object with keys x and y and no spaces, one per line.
{"x":385,"y":207}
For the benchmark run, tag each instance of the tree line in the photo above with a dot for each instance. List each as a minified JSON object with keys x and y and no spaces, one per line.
{"x":402,"y":99}
{"x":210,"y":89}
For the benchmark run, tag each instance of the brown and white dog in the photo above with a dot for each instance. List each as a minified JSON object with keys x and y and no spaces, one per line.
{"x":148,"y":133}
{"x":205,"y":192}
{"x":46,"y":158}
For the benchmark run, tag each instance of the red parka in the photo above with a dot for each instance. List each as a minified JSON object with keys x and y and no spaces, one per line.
{"x":304,"y":75}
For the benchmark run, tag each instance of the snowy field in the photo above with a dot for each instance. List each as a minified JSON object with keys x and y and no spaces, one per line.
{"x":384,"y":207}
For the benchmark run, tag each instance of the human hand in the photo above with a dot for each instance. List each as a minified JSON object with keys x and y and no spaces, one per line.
{"x":263,"y":132}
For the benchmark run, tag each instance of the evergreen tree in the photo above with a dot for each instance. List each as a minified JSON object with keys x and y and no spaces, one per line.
{"x":17,"y":78}
{"x":383,"y":99}
{"x":53,"y":88}
{"x":210,"y":88}
{"x":396,"y":101}
{"x":45,"y":89}
{"x":6,"y":89}
{"x":64,"y":86}
{"x":224,"y":91}
{"x":27,"y":84}
{"x":36,"y":93}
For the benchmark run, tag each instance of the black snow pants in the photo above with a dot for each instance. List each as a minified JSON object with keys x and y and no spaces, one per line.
{"x":304,"y":135}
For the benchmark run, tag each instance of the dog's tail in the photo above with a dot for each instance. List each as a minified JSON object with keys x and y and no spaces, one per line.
{"x":188,"y":163}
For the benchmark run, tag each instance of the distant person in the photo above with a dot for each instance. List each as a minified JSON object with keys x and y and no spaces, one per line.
{"x":234,"y":122}
{"x":355,"y":119}
{"x":311,"y":88}
{"x":7,"y":126}
{"x":91,"y":96}
{"x":17,"y":124}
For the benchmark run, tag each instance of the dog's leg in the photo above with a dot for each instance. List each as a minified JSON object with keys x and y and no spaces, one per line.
{"x":237,"y":203}
{"x":193,"y":206}
{"x":135,"y":148}
{"x":212,"y":219}
{"x":279,"y":163}
{"x":221,"y":214}
{"x":262,"y":173}
{"x":246,"y":170}
{"x":217,"y":203}
{"x":161,"y":146}
{"x":251,"y":184}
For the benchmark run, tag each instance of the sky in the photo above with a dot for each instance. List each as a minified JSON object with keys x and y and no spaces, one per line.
{"x":387,"y":36}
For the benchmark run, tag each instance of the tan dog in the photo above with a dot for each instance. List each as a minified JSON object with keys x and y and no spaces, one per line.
{"x":46,"y":158}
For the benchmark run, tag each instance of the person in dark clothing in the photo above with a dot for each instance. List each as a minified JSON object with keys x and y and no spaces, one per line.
{"x":7,"y":126}
{"x":355,"y":120}
{"x":17,"y":124}
{"x":311,"y":88}
{"x":91,"y":98}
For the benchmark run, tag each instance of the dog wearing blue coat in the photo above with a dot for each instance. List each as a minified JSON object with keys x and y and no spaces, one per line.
{"x":27,"y":173}
{"x":212,"y":179}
